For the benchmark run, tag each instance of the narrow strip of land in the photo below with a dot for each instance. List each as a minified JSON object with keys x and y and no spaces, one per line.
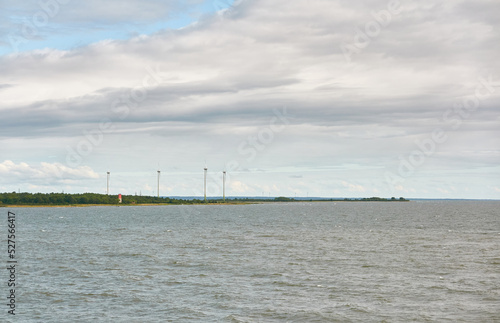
{"x":15,"y":199}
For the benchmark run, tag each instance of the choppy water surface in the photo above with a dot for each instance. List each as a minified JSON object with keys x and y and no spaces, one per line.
{"x":302,"y":262}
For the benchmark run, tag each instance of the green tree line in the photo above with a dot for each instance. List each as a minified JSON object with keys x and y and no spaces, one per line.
{"x":85,"y":198}
{"x":15,"y":198}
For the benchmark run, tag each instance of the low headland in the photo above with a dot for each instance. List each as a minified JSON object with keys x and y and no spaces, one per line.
{"x":15,"y":199}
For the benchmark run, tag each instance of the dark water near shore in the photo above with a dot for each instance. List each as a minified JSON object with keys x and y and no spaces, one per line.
{"x":302,"y":262}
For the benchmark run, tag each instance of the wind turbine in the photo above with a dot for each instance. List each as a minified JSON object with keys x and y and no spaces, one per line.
{"x":158,"y":183}
{"x":205,"y":183}
{"x":107,"y":184}
{"x":224,"y":185}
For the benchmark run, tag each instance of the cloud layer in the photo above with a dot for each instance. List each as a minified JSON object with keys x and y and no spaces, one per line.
{"x":364,"y":86}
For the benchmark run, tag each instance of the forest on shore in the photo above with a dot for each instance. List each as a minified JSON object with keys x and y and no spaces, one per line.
{"x":30,"y":199}
{"x":15,"y":198}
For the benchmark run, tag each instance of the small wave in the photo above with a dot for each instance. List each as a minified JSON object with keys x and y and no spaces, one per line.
{"x":103,"y":294}
{"x":288,"y":284}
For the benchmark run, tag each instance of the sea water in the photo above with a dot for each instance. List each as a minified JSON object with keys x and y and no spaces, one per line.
{"x":420,"y":261}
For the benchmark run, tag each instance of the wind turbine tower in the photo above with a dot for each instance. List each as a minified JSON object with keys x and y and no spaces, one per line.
{"x":158,"y":184}
{"x":224,"y":186}
{"x":107,"y":184}
{"x":205,"y":184}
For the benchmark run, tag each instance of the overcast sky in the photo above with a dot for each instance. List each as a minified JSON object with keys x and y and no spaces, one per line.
{"x":330,"y":98}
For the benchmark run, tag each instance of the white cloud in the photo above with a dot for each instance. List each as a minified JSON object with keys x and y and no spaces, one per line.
{"x":47,"y":173}
{"x":222,"y":78}
{"x":238,"y":187}
{"x":443,"y":190}
{"x":354,"y":187}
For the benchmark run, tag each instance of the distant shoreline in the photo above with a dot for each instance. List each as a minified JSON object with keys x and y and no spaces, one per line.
{"x":17,"y":199}
{"x":120,"y":205}
{"x":219,"y":203}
